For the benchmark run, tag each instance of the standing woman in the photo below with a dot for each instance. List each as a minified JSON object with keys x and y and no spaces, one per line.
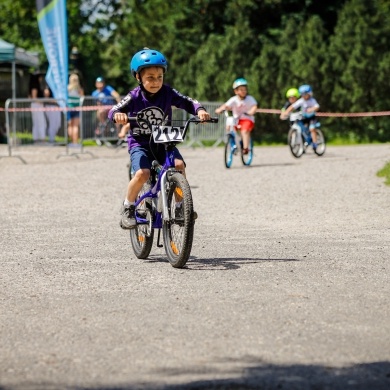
{"x":53,"y":117}
{"x":75,"y":91}
{"x":37,"y":113}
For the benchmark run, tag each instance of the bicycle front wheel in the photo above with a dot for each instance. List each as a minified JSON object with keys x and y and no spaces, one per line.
{"x":247,"y":158}
{"x":230,"y":148}
{"x":178,"y":232}
{"x":321,"y":145}
{"x":295,"y":143}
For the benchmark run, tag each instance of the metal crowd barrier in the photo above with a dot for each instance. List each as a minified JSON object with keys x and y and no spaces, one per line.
{"x":94,"y":124}
{"x":35,"y":121}
{"x":44,"y":121}
{"x":209,"y":132}
{"x":106,"y":132}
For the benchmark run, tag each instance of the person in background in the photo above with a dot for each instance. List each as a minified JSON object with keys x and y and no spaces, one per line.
{"x":105,"y":96}
{"x":309,"y":106}
{"x":292,"y":96}
{"x":75,"y":91}
{"x":53,"y":117}
{"x":37,"y":113}
{"x":244,"y":107}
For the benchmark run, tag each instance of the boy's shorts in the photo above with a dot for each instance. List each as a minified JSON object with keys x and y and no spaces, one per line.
{"x":142,"y":157}
{"x":310,"y":123}
{"x":245,"y":125}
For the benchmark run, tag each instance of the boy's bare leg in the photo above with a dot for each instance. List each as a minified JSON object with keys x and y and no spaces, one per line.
{"x":245,"y":135}
{"x":313,"y":135}
{"x":136,"y":183}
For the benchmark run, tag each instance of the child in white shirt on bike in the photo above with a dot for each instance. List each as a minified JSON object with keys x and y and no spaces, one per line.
{"x":243,"y":107}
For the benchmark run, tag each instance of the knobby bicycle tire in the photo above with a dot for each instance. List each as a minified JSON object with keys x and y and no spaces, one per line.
{"x":141,"y":236}
{"x":247,"y":158}
{"x":295,"y":143}
{"x":178,"y":233}
{"x":321,"y":144}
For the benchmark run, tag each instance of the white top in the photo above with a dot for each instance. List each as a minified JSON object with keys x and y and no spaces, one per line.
{"x":240,"y":107}
{"x":305,"y":104}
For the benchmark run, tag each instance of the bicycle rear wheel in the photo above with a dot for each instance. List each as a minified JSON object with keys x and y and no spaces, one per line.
{"x":141,"y":236}
{"x":247,"y":158}
{"x":230,"y":147}
{"x":178,"y":232}
{"x":295,"y":143}
{"x":321,"y":145}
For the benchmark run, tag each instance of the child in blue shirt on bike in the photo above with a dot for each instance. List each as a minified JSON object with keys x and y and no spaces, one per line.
{"x":309,"y":106}
{"x":151,"y":100}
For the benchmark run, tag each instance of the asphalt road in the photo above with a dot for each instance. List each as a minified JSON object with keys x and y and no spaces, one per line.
{"x":287,"y":286}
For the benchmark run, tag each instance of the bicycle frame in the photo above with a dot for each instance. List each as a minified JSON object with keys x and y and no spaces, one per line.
{"x":161,"y":180}
{"x":154,"y":192}
{"x":233,"y":143}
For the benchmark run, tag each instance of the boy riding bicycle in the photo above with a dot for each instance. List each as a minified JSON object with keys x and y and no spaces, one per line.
{"x":309,"y":106}
{"x":243,"y":107}
{"x":151,"y":100}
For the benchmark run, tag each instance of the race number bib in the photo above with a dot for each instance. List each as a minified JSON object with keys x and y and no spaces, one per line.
{"x":163,"y":134}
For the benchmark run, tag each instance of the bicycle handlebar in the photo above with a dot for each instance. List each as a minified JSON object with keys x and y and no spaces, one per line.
{"x":193,"y":119}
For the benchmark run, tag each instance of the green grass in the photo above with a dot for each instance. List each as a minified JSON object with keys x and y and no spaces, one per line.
{"x":385,"y":172}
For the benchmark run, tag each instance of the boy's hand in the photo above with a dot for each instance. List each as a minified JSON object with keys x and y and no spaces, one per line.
{"x":203,"y":115}
{"x":120,"y":118}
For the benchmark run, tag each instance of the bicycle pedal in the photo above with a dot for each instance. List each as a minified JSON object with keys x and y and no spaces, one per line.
{"x":141,"y":213}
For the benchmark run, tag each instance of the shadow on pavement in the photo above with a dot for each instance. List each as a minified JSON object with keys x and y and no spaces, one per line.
{"x":217,"y":263}
{"x":259,"y":376}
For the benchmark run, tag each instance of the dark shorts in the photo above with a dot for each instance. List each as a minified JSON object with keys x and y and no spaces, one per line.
{"x":142,"y":157}
{"x":73,"y":114}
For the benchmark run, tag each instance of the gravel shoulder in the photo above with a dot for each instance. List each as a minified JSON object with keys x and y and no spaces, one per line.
{"x":287,"y":286}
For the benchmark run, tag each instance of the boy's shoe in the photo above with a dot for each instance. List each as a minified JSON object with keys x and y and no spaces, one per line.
{"x":179,"y":213}
{"x":314,"y":146}
{"x":245,"y":151}
{"x":128,"y":217}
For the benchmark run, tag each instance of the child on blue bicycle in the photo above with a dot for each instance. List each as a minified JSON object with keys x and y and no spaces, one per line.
{"x":309,"y":106}
{"x":244,"y":107}
{"x":151,"y":100}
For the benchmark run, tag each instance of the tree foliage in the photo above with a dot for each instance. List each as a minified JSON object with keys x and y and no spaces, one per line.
{"x":341,"y":48}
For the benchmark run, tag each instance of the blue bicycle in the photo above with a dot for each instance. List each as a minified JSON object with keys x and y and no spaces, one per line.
{"x":299,"y":137}
{"x":233,"y":144}
{"x":165,"y":201}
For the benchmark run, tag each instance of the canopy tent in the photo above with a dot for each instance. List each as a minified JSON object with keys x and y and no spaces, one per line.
{"x":11,"y":54}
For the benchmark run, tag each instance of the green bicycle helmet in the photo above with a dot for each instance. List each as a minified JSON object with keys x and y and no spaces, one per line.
{"x":241,"y":81}
{"x":292,"y":92}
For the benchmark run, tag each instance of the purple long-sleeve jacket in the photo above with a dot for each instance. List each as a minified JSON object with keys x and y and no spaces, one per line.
{"x":154,"y":108}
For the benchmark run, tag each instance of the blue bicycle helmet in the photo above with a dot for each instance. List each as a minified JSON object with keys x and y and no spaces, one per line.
{"x":241,"y":81}
{"x":146,"y":58}
{"x":304,"y":89}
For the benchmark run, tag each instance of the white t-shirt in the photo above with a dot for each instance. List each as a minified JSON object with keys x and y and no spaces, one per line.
{"x":240,"y":107}
{"x":305,"y":104}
